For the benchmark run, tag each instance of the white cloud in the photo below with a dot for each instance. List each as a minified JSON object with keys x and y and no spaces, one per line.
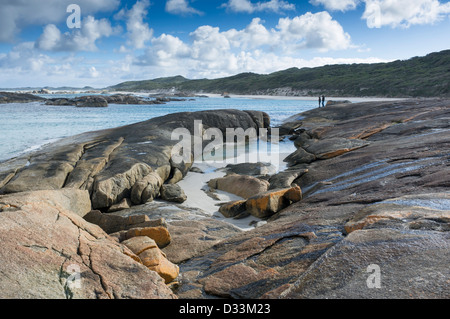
{"x":82,"y":39}
{"x":213,"y":52}
{"x":393,"y":13}
{"x":253,"y":36}
{"x":336,"y":5}
{"x":166,"y":50}
{"x":247,"y":6}
{"x":15,"y":15}
{"x":138,"y":32}
{"x":181,"y":7}
{"x":318,"y":31}
{"x":24,"y":58}
{"x":404,"y":13}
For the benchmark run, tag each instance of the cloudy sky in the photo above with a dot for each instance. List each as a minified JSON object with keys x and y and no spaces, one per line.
{"x":41,"y":43}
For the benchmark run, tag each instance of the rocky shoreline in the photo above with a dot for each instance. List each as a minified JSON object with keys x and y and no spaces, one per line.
{"x":86,"y":100}
{"x":366,"y":187}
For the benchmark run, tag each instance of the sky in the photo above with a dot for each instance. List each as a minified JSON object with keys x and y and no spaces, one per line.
{"x":104,"y":42}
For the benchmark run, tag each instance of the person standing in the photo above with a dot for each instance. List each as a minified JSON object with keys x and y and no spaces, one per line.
{"x":320,"y":101}
{"x":323,"y":100}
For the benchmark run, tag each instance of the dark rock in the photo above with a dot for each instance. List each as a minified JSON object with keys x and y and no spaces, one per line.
{"x":331,"y":147}
{"x":92,"y":101}
{"x":251,"y":169}
{"x":12,"y":97}
{"x":285,"y":179}
{"x":233,"y":209}
{"x":302,"y":139}
{"x":300,"y":156}
{"x":331,"y":102}
{"x":173,"y":193}
{"x":196,"y":170}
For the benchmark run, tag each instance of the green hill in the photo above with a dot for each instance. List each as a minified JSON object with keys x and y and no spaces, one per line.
{"x":160,"y":83}
{"x":427,"y":76}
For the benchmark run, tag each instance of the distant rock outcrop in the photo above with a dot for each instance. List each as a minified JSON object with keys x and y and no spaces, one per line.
{"x":12,"y":97}
{"x":102,"y":100}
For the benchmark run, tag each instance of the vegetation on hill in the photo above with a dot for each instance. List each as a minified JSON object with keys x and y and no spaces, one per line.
{"x":427,"y":76}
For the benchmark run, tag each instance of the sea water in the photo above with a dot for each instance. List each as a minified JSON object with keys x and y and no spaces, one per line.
{"x":24,"y":127}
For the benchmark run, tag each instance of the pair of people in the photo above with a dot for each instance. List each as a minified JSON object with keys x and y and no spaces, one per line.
{"x":322,"y":101}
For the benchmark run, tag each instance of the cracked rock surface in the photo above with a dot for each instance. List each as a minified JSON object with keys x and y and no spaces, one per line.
{"x":49,"y":251}
{"x":375,"y":195}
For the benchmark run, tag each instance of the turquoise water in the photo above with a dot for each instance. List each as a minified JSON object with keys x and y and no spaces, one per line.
{"x":26,"y":127}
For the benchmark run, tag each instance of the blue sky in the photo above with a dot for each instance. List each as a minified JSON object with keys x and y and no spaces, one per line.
{"x":121,"y":40}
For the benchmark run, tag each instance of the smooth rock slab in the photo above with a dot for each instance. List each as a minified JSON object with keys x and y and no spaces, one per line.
{"x":44,"y":244}
{"x":240,"y":185}
{"x":332,"y":147}
{"x":411,"y":264}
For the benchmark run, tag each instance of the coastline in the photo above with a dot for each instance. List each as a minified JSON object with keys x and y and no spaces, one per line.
{"x":373,"y":195}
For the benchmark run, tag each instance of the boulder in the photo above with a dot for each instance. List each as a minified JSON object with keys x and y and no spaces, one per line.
{"x":268,"y":203}
{"x":286,"y":179}
{"x":302,"y":139}
{"x":51,"y":252}
{"x":288,"y":127}
{"x":173,"y":193}
{"x":233,"y":209}
{"x":251,"y":169}
{"x":112,"y":223}
{"x":152,"y":257}
{"x":92,"y":101}
{"x":146,"y":189}
{"x":300,"y":156}
{"x":159,"y":234}
{"x":109,"y":191}
{"x":223,"y":282}
{"x":124,"y":204}
{"x":240,"y":185}
{"x":199,"y":235}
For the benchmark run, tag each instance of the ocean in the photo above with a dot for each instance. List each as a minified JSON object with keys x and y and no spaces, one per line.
{"x":26,"y":127}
